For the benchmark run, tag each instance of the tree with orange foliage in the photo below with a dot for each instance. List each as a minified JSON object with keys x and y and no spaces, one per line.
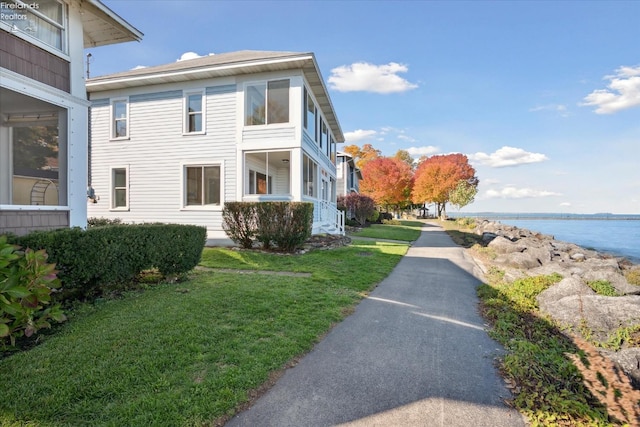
{"x":362,"y":155}
{"x":438,"y":176}
{"x":388,"y":181}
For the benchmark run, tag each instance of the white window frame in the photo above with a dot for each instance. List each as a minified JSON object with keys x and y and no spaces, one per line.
{"x":63,"y":51}
{"x":112,"y":119}
{"x":112,"y":188}
{"x":183,"y":185}
{"x":313,"y":133}
{"x":187,"y":114}
{"x":266,"y":102}
{"x":309,"y":186}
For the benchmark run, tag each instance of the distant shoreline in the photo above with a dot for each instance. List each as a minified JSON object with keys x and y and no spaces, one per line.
{"x":546,"y":216}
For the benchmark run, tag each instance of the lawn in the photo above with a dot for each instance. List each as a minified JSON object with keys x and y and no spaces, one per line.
{"x":189,"y":353}
{"x":408,"y":231}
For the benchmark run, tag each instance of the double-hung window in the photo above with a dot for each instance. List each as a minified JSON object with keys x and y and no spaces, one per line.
{"x":202,"y":185}
{"x":120,"y":188}
{"x":266,"y":103}
{"x":194,"y":112}
{"x":119,"y":119}
{"x":44,"y":20}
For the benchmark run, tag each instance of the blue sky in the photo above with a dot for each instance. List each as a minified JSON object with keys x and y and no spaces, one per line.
{"x":543,"y":97}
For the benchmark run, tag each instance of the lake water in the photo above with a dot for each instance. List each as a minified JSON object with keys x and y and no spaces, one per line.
{"x":617,"y":237}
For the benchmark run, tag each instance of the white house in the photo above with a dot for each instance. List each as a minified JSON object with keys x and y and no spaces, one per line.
{"x":44,"y":108}
{"x":173,"y":143}
{"x":349,"y":175}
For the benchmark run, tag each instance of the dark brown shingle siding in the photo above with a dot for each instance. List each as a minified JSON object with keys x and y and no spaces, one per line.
{"x":24,"y":58}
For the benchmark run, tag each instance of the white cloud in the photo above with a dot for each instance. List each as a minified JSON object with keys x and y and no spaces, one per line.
{"x":191,"y":55}
{"x":366,"y":77}
{"x":507,"y":156}
{"x":422,"y":151}
{"x":557,"y":108}
{"x":623,"y":91}
{"x":565,"y":204}
{"x":490,"y":181}
{"x":406,"y":138}
{"x":138,"y":67}
{"x":358,"y":135}
{"x":510,"y":192}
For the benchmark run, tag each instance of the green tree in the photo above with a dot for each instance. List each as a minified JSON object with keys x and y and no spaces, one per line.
{"x":404,"y":156}
{"x":463,"y":194}
{"x":33,"y":146}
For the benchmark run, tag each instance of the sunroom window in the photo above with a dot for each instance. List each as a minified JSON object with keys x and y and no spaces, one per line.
{"x":267,"y":103}
{"x":267,"y":173}
{"x":309,"y":177}
{"x":310,"y":116}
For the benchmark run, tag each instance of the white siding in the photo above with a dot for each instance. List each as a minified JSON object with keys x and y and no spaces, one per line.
{"x":156,"y":152}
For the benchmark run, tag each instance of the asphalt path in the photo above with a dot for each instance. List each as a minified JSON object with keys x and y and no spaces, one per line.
{"x":414,"y":353}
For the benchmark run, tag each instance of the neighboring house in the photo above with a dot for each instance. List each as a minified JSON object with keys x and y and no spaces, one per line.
{"x":349,"y":176}
{"x":173,"y":143}
{"x":44,"y":108}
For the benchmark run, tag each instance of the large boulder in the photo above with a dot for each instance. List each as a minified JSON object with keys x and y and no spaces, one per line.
{"x":502,"y":245}
{"x":602,"y":315}
{"x":628,"y":360}
{"x":566,"y":287}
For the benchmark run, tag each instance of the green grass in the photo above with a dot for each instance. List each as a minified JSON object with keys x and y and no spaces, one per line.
{"x":547,"y":387}
{"x":191,"y":353}
{"x":408,"y":231}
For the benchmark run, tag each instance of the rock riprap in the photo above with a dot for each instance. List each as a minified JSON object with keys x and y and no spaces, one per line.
{"x":571,"y":302}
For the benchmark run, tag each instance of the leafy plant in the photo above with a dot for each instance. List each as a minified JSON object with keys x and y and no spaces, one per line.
{"x":26,"y":283}
{"x":603,"y":287}
{"x":102,"y":256}
{"x":357,"y":206}
{"x":239,"y":222}
{"x":633,"y":276}
{"x":101,"y":222}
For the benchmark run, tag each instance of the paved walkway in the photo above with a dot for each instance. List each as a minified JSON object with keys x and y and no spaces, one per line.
{"x":414,"y":353}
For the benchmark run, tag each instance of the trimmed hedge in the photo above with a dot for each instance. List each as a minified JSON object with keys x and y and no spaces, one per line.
{"x":285,"y":225}
{"x":100,"y":256}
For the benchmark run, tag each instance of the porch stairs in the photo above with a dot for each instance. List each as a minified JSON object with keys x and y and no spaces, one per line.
{"x":332,"y":219}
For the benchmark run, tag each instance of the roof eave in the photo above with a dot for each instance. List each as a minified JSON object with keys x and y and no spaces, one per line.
{"x":123,"y":30}
{"x":306,"y":62}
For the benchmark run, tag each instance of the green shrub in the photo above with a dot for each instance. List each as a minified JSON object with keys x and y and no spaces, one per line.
{"x":102,"y":256}
{"x":101,"y":222}
{"x":374,"y":216}
{"x":358,"y":206}
{"x":285,"y":225}
{"x":180,"y":247}
{"x":239,"y":222}
{"x":466,"y":222}
{"x":294,"y":224}
{"x":391,"y":222}
{"x":26,"y":283}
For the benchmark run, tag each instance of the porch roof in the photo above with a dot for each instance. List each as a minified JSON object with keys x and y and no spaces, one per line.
{"x":102,"y":26}
{"x":224,"y":65}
